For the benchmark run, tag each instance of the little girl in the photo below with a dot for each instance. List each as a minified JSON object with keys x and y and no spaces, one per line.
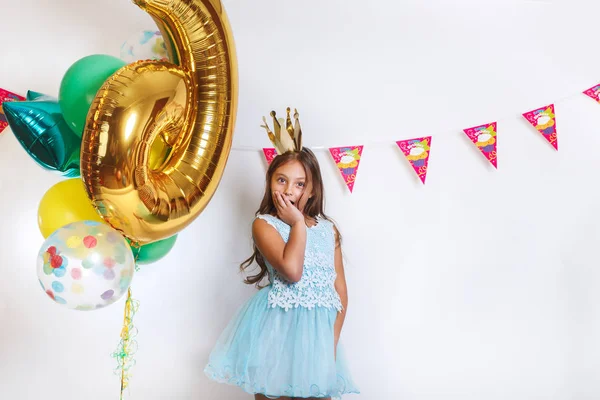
{"x":283,"y":343}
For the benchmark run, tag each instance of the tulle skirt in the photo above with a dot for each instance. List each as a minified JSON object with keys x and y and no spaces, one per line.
{"x":281,"y":353}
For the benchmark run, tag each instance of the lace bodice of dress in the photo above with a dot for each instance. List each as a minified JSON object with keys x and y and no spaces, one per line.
{"x":316,"y":286}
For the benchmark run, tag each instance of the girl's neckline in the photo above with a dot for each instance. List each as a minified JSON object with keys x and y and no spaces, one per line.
{"x":315,"y":220}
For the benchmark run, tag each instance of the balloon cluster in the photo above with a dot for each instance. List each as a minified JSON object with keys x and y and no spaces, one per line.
{"x":142,"y":148}
{"x":84,"y":263}
{"x":140,"y":156}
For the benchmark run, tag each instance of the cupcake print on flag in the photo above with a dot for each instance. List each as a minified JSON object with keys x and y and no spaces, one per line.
{"x":347,"y":159}
{"x":416,"y":152}
{"x":270,"y":154}
{"x":544,"y":120}
{"x":485,"y":138}
{"x":594,"y":93}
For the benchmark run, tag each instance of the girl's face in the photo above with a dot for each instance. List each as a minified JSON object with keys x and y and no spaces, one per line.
{"x":291,"y":181}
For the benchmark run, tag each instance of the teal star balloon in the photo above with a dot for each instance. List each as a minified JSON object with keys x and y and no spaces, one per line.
{"x":31,"y":95}
{"x":39,"y":126}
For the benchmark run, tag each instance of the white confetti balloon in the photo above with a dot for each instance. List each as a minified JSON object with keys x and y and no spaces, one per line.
{"x":144,"y":45}
{"x":85,"y":265}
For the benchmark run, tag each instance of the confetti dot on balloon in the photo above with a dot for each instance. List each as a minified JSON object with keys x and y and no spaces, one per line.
{"x":107,"y":295}
{"x":77,"y":288}
{"x":60,"y":300}
{"x":73,"y":242}
{"x":99,"y":270}
{"x":91,"y":223}
{"x":56,"y":261}
{"x":46,"y":257}
{"x":109,"y":274}
{"x":51,"y":250}
{"x":76,"y":273}
{"x":109,"y":262}
{"x":48,"y":268}
{"x":60,"y":272}
{"x":49,"y":293}
{"x":57,"y":286}
{"x":90,"y":242}
{"x":88,"y":263}
{"x":124,"y":283}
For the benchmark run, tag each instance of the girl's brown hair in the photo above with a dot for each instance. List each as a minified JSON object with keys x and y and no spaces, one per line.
{"x":314,"y":206}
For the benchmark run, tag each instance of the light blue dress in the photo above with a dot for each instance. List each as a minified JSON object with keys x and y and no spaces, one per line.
{"x":281,"y":342}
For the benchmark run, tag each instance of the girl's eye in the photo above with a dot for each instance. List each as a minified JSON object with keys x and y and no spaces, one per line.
{"x":281,"y":180}
{"x":301,"y":184}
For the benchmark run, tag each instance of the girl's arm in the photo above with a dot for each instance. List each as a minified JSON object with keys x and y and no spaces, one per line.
{"x":286,"y":258}
{"x":341,"y":288}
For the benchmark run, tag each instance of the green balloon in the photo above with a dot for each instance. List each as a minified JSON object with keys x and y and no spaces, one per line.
{"x":80,"y":85}
{"x":152,"y":252}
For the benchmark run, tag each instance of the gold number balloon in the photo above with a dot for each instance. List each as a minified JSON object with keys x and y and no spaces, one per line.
{"x":190,"y":105}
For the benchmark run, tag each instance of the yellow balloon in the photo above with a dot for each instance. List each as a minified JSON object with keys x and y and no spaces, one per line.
{"x":64,"y":203}
{"x":190,"y":104}
{"x":159,"y":151}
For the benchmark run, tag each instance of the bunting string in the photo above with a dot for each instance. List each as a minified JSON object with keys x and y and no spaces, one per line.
{"x":392,"y":140}
{"x":417,"y":149}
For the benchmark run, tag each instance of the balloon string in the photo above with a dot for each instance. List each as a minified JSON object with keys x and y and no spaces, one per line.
{"x":125,"y":337}
{"x":127,"y":345}
{"x":137,"y":247}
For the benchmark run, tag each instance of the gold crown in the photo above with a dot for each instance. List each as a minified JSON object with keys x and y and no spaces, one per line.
{"x":292,"y":141}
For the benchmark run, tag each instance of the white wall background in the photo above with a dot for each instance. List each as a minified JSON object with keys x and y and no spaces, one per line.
{"x":480,"y":285}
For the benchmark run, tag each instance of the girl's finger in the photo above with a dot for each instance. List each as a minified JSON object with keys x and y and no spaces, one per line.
{"x":276,"y":202}
{"x":286,"y":200}
{"x":280,"y":200}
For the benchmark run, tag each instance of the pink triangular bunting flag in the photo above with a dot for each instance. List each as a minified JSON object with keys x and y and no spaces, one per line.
{"x":347,"y":159}
{"x":544,"y":120}
{"x":270,"y":154}
{"x":5,"y":95}
{"x":485,"y":138}
{"x":593,"y":92}
{"x":417,"y":152}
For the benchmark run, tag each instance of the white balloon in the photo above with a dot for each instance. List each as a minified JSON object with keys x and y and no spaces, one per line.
{"x":144,"y":45}
{"x":85,"y":265}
